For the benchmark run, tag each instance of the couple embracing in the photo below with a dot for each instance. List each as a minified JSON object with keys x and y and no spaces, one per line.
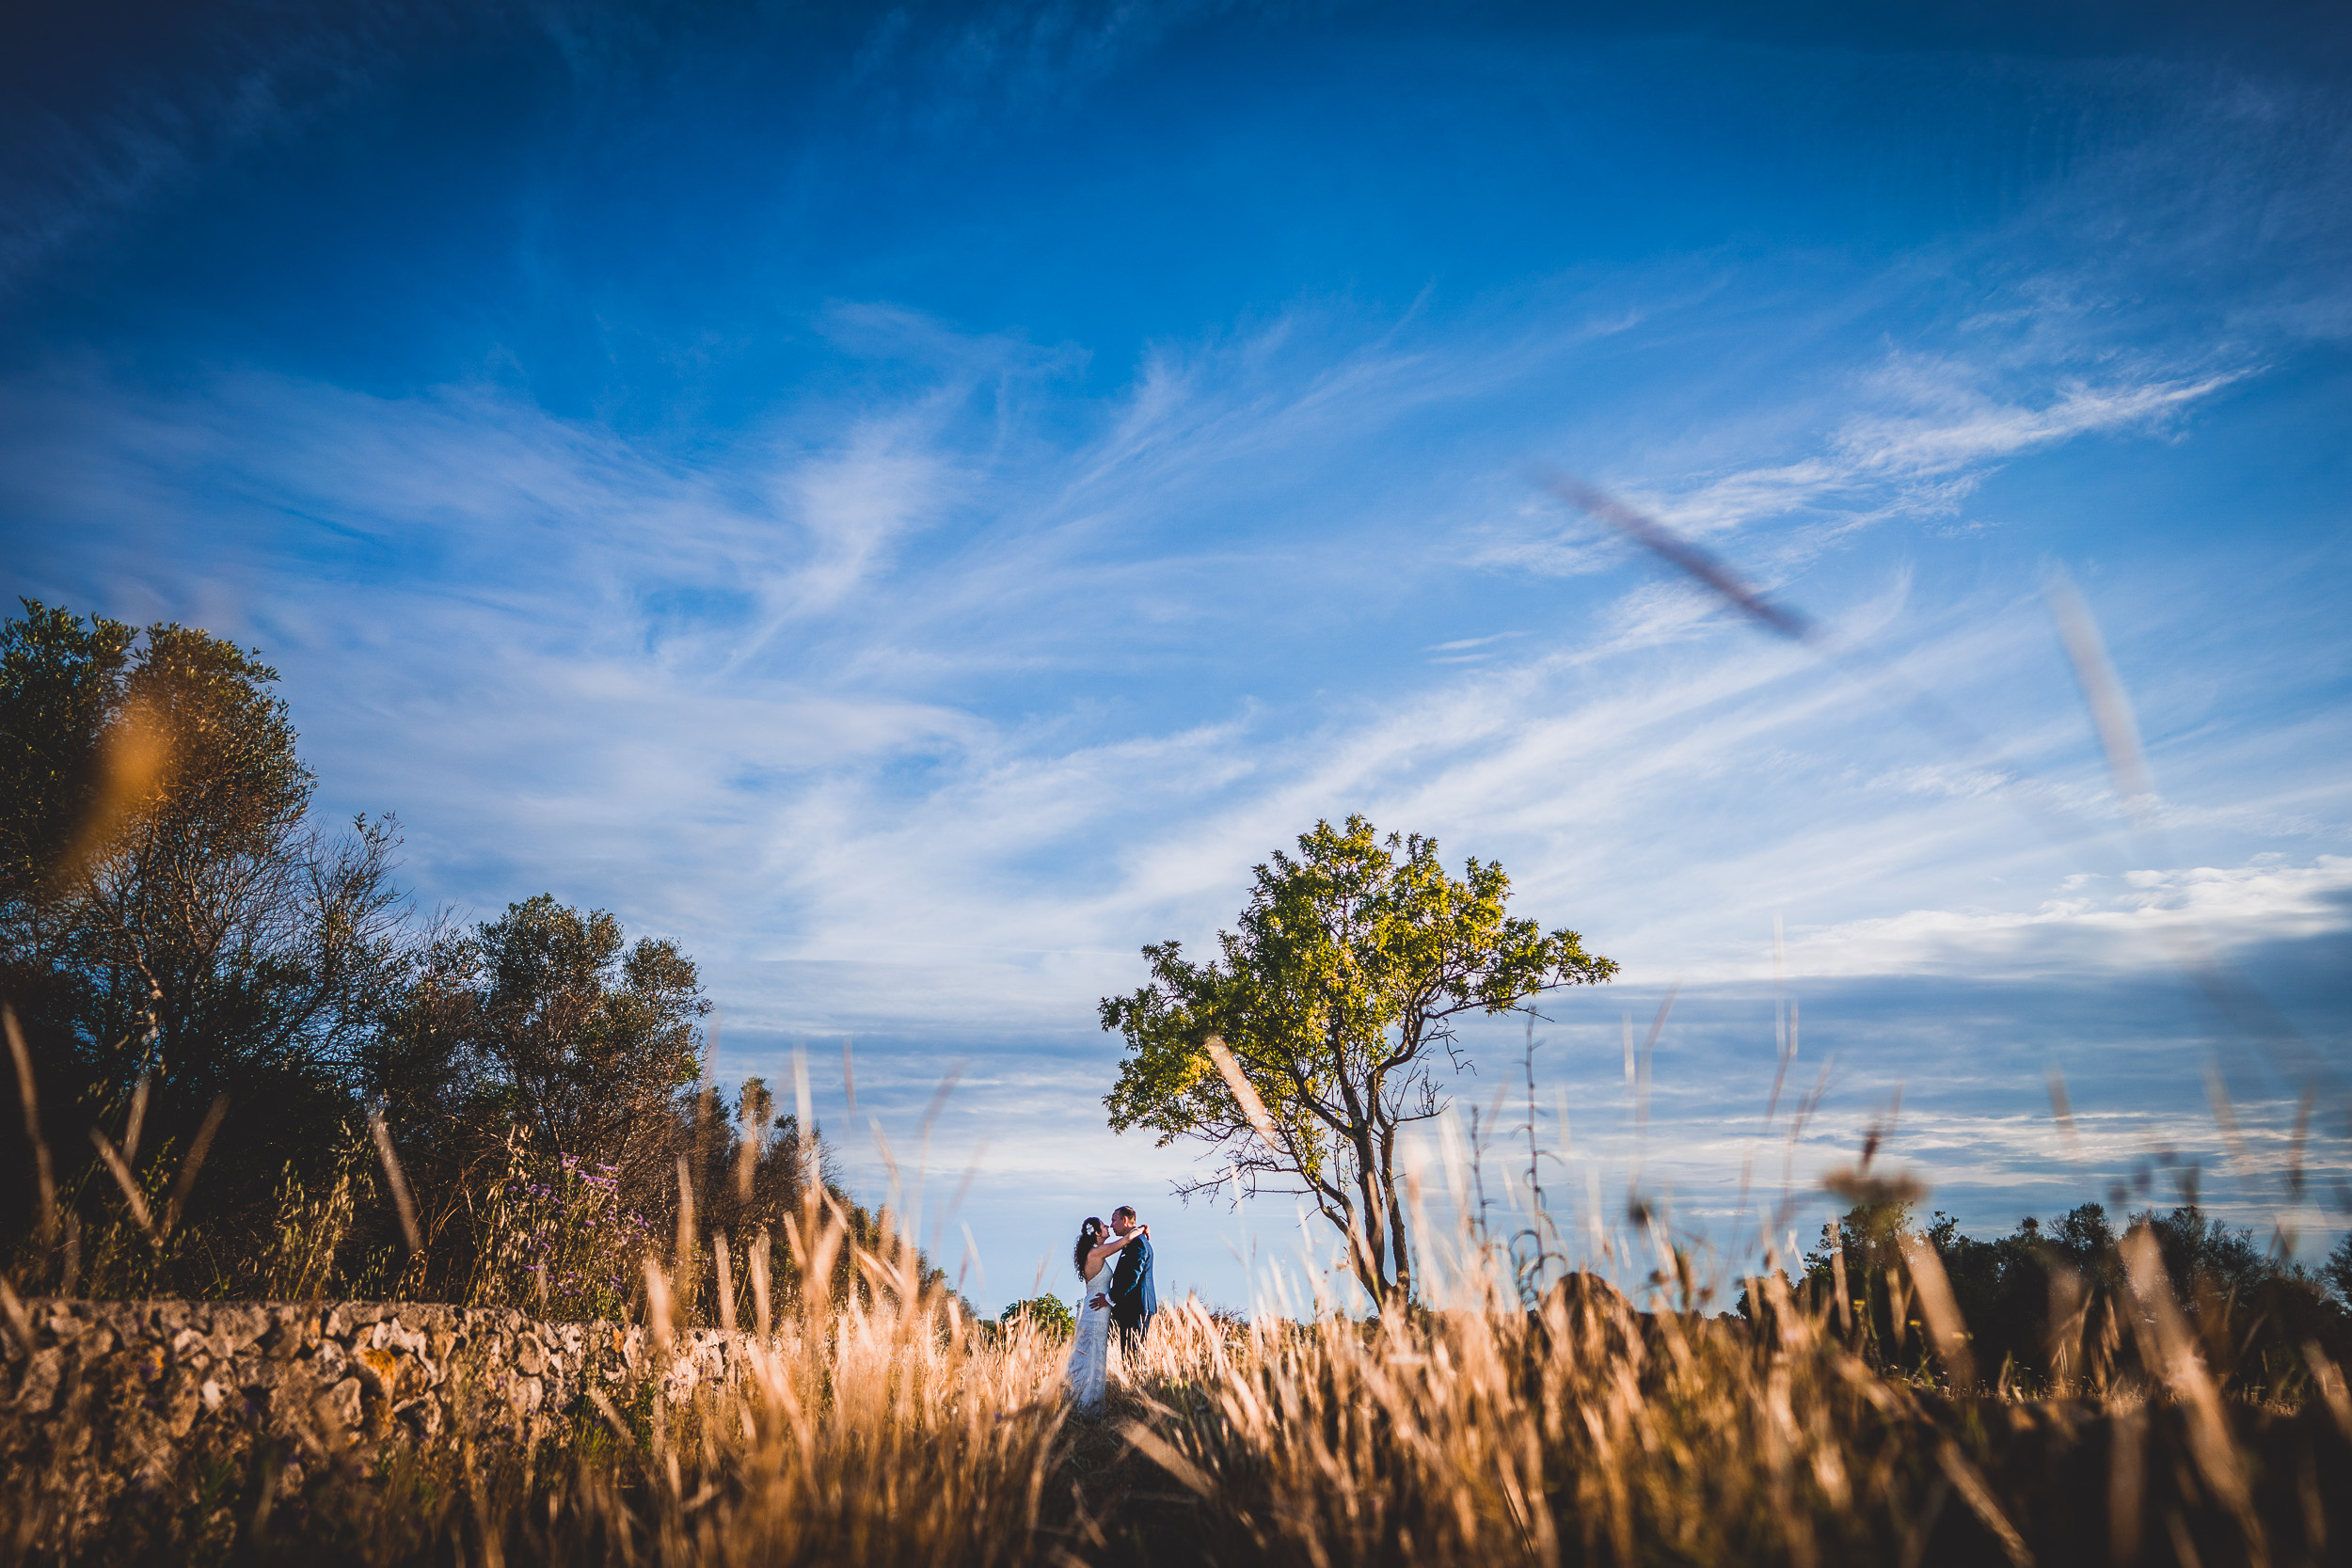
{"x":1116,"y":1265}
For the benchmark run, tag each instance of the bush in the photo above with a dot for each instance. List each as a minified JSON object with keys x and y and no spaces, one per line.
{"x":1047,"y":1314}
{"x":559,"y":1241}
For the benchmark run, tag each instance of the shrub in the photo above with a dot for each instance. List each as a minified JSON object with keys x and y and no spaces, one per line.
{"x":1046,"y":1314}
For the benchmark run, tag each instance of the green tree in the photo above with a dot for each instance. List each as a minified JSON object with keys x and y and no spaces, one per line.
{"x":1858,"y":1268}
{"x":60,"y":684}
{"x":2337,"y":1271}
{"x":1049,"y":1313}
{"x":1337,"y":998}
{"x":549,"y":1017}
{"x":169,"y":912}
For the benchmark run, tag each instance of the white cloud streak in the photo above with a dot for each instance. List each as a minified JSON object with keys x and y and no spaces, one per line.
{"x":914,"y":714}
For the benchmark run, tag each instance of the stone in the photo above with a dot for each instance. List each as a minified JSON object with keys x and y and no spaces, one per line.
{"x":131,"y":1403}
{"x":181,"y":1403}
{"x":397,"y":1380}
{"x":423,"y":1416}
{"x":340,"y":1405}
{"x":236,"y":1329}
{"x":38,"y":1391}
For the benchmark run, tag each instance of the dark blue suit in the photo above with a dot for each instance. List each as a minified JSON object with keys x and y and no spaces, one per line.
{"x":1133,"y":1299}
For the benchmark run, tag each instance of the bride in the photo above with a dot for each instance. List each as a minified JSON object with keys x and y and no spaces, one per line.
{"x":1089,"y":1355}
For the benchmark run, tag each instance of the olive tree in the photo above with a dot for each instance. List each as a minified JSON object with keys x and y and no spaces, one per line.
{"x":1337,"y":1000}
{"x":170,"y":911}
{"x":546,"y":1018}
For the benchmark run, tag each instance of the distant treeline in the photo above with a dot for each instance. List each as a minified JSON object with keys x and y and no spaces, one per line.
{"x":2053,"y":1304}
{"x":230,"y":1029}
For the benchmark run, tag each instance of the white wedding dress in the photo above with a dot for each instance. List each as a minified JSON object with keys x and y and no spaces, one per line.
{"x":1091,"y":1352}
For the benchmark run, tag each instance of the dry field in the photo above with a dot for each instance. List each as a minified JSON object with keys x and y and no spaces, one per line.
{"x":889,"y":1429}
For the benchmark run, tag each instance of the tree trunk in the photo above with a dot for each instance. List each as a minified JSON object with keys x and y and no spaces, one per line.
{"x":1403,"y":1270}
{"x":1371,"y":1268}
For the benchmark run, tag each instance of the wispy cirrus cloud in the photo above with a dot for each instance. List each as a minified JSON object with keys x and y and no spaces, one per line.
{"x":916,"y":699}
{"x":750,"y":664}
{"x":1914,"y":440}
{"x":2133,"y":922}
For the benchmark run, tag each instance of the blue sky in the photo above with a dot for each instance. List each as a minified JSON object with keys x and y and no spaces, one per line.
{"x":915,"y":503}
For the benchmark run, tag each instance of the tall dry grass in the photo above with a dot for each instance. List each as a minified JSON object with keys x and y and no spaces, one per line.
{"x":885,"y":1430}
{"x":881,"y":1424}
{"x":887,"y":1427}
{"x":1589,"y":1431}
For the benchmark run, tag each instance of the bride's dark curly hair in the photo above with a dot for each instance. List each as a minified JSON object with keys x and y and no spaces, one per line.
{"x":1089,"y":1237}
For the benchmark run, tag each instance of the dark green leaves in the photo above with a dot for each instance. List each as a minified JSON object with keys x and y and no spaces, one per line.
{"x":1351,"y":961}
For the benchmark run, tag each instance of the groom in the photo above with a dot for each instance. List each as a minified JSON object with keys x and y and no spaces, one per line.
{"x":1133,"y":1299}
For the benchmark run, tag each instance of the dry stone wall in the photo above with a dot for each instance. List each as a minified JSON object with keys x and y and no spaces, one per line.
{"x":119,"y":1407}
